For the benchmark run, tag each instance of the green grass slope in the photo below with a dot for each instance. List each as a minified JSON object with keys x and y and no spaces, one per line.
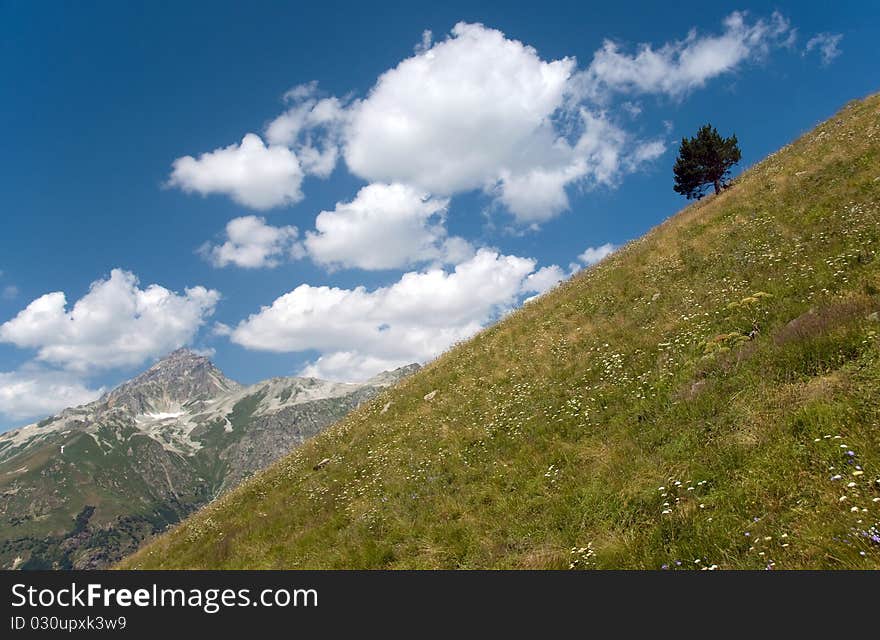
{"x":709,"y":396}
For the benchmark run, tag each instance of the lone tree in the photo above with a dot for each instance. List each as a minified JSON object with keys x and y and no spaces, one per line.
{"x":704,"y":160}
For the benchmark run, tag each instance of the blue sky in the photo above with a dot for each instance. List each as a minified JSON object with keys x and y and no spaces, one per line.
{"x":472,"y":175}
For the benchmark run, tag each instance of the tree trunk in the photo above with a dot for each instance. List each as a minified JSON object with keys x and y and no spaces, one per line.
{"x":717,"y":187}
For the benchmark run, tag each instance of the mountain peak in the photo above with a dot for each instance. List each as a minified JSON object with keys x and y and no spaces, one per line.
{"x":183,"y":352}
{"x":180,"y":377}
{"x":181,"y":356}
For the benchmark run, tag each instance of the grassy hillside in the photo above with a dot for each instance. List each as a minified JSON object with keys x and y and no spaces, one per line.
{"x":709,"y":396}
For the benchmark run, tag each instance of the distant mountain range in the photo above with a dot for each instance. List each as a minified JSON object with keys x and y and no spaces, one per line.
{"x":84,"y":488}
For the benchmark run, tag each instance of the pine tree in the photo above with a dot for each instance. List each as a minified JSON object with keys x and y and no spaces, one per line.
{"x":704,"y":160}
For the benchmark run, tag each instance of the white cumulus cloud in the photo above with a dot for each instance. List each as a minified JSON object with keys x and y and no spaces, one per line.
{"x":386,"y":226}
{"x":32,"y":392}
{"x":253,"y":174}
{"x":312,"y":126}
{"x":115,"y":324}
{"x":251,"y":243}
{"x":544,"y":279}
{"x":449,"y":118}
{"x":302,"y":141}
{"x":678,"y":67}
{"x":360,"y":332}
{"x":479,"y":111}
{"x":592,"y":255}
{"x":482,"y":111}
{"x":349,"y":366}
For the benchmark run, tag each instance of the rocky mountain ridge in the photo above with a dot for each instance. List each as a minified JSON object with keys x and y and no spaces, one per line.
{"x":81,"y":488}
